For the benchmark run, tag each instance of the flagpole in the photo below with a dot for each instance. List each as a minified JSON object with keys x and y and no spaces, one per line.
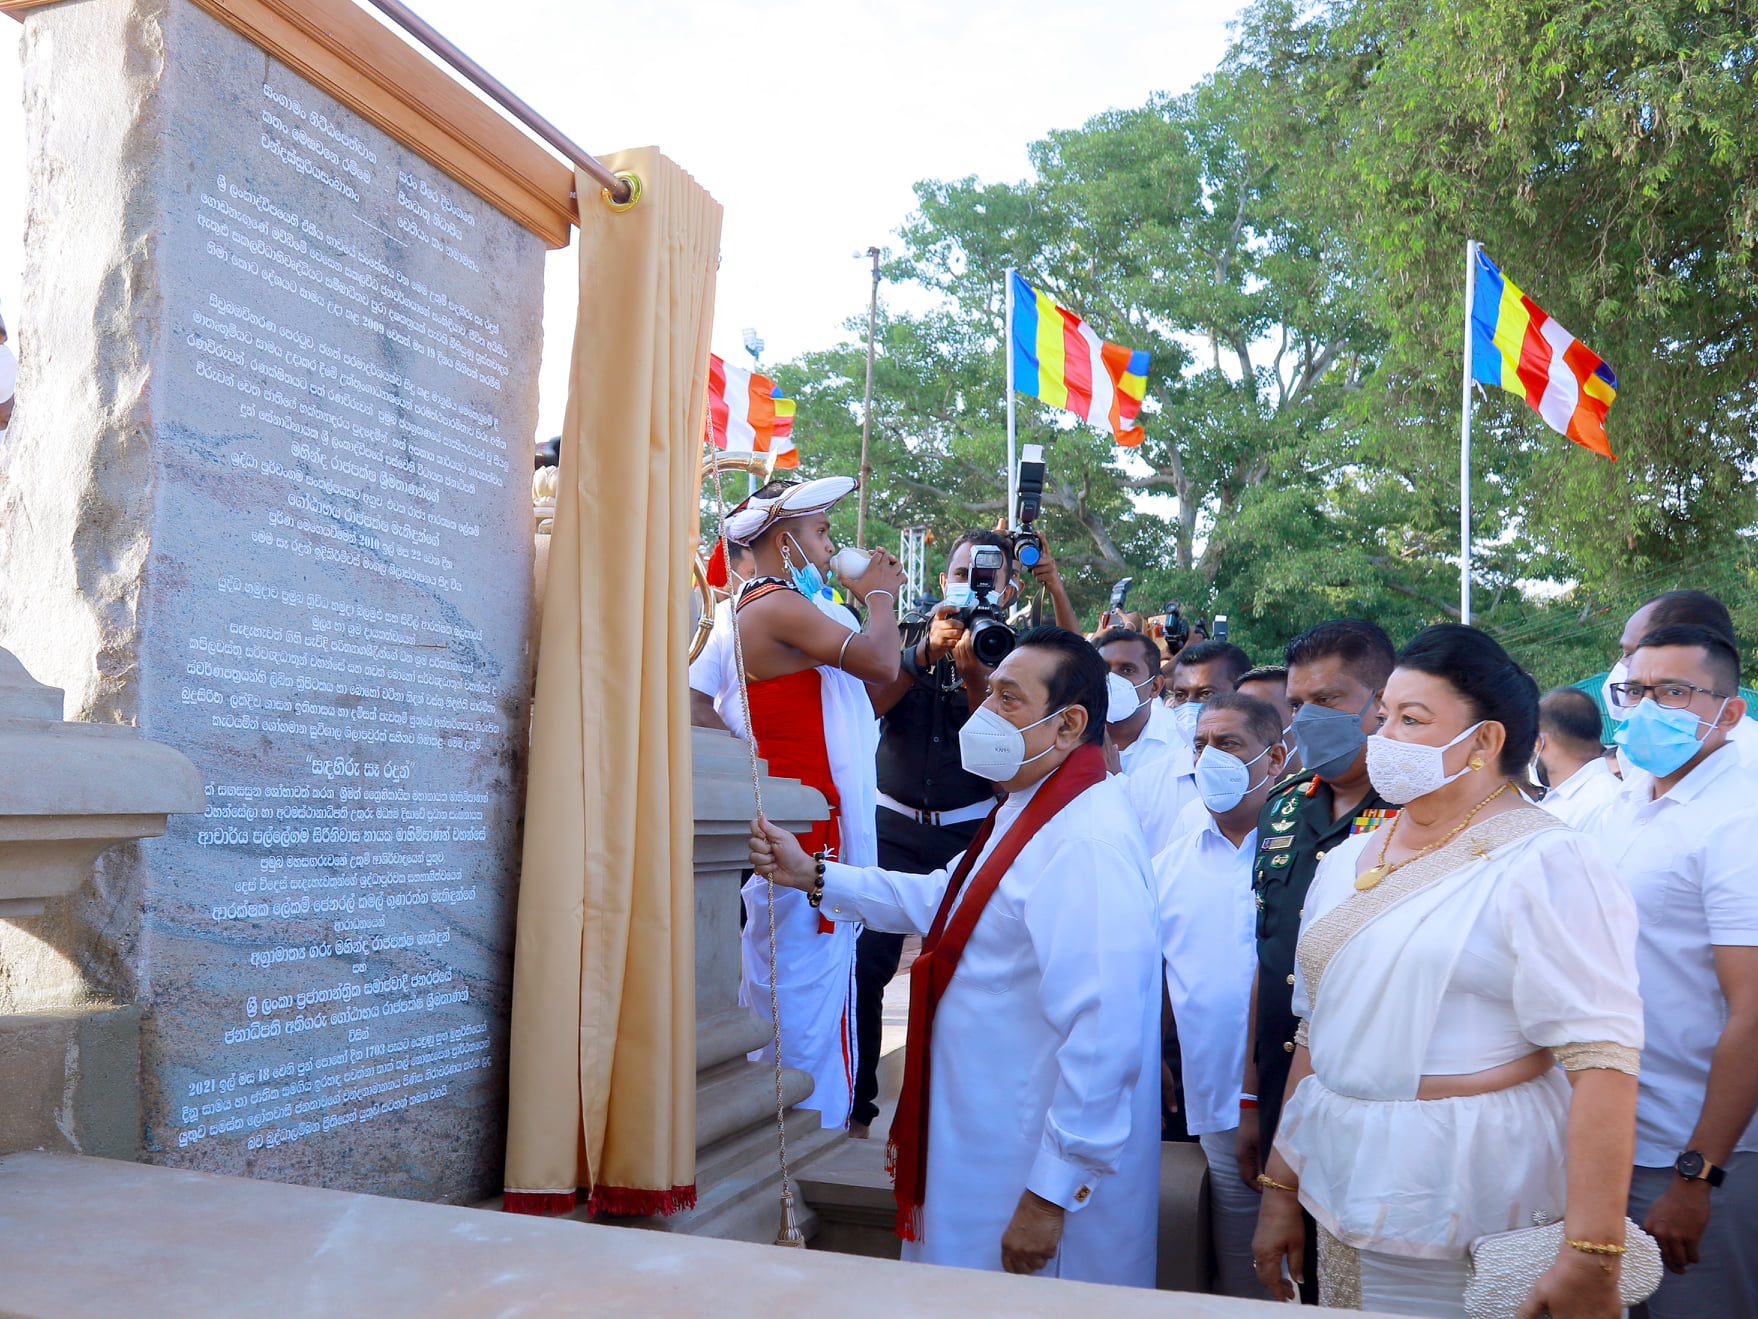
{"x":1007,"y":349}
{"x":1465,"y":442}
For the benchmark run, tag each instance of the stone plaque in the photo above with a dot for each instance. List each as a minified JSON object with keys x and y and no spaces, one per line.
{"x":332,"y":625}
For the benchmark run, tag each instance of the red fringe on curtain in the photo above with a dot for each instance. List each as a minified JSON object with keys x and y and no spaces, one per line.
{"x":550,"y":1204}
{"x":623,"y":1200}
{"x":634,"y":1200}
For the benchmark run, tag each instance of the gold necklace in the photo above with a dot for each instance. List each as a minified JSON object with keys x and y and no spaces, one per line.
{"x":1375,"y":873}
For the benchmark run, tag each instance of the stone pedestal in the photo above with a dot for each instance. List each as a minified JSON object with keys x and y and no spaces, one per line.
{"x":70,"y":791}
{"x":71,"y":1065}
{"x":738,"y":1180}
{"x":267,"y":504}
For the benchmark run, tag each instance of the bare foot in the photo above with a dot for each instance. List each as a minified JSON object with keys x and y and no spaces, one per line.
{"x":858,"y":1131}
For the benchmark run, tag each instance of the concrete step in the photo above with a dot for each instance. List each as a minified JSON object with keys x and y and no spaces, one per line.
{"x":739,"y":1094}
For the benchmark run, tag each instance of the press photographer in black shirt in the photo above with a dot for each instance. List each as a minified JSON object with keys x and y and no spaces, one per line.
{"x":929,"y":807}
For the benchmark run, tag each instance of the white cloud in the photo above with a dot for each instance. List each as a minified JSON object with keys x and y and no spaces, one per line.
{"x":808,"y":119}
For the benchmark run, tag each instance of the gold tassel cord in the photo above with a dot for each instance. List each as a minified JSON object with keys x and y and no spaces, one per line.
{"x":789,"y":1233}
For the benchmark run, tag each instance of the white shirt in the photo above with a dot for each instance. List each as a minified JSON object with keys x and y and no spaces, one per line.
{"x":1208,"y":937}
{"x":1744,"y":736}
{"x":1157,"y":738}
{"x":1583,"y":792}
{"x":1045,"y":1060}
{"x":715,"y":673}
{"x":1160,"y":789}
{"x":1691,"y":864}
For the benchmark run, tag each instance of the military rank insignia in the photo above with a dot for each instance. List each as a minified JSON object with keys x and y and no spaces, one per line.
{"x":1368,"y":821}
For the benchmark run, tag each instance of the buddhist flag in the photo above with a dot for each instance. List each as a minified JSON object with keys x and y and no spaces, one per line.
{"x":1515,"y":345}
{"x":747,"y":414}
{"x":1058,"y":359}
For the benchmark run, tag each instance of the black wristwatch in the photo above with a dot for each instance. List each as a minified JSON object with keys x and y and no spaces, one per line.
{"x":1693,"y":1167}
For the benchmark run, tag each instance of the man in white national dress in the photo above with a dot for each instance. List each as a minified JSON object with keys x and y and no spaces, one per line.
{"x":1208,"y":931}
{"x":808,"y":664}
{"x":1027,"y":1136}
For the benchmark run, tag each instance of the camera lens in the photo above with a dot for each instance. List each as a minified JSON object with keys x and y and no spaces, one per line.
{"x":991,"y":641}
{"x":1028,"y":555}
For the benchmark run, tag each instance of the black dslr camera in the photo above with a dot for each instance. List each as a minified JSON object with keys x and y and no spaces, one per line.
{"x":991,"y":638}
{"x":1028,"y":545}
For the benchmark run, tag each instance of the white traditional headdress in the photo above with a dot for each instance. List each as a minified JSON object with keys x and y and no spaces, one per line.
{"x":757,"y":515}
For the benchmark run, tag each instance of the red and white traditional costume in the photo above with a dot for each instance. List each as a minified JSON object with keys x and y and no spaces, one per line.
{"x":817,"y":726}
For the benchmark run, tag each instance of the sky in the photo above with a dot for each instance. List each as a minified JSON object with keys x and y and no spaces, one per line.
{"x":809,"y":120}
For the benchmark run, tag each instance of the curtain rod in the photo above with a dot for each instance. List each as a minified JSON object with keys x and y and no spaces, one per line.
{"x":423,"y":32}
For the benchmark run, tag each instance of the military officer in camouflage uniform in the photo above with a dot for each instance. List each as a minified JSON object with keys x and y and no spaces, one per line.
{"x":1335,"y":673}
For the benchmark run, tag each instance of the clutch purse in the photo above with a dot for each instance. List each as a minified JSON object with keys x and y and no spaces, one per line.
{"x":1505,"y":1265}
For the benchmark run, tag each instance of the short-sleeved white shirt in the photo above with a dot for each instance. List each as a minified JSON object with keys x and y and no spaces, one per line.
{"x":1582,"y":793}
{"x":714,"y":672}
{"x":1690,"y":863}
{"x":1208,"y":936}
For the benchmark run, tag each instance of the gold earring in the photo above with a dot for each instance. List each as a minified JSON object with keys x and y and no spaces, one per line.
{"x":1477,"y":762}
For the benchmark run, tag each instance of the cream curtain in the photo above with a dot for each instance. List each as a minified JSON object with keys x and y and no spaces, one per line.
{"x":603,"y":1081}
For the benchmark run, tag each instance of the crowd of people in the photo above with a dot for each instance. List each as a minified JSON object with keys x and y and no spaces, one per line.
{"x":1445,"y":987}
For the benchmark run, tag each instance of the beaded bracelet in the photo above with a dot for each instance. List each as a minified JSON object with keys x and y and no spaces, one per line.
{"x":816,"y":896}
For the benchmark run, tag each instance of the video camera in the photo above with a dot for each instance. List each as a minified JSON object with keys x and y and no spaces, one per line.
{"x":1028,"y":545}
{"x":1170,"y":626}
{"x":1113,"y":615}
{"x":991,"y":638}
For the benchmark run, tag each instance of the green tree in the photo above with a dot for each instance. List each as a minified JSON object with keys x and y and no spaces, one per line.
{"x":1159,"y":230}
{"x":1607,"y":156}
{"x":1287,"y":242}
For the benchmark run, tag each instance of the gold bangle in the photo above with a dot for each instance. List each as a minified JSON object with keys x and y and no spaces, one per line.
{"x":1271,"y":1184}
{"x":1595,"y":1247}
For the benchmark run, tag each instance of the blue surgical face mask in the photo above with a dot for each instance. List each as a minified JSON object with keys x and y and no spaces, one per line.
{"x":960,"y":595}
{"x":806,"y":577}
{"x":1184,"y":719}
{"x":1660,"y":740}
{"x":1223,"y":779}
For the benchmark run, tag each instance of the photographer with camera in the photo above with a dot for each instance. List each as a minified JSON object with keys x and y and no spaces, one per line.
{"x":929,"y":806}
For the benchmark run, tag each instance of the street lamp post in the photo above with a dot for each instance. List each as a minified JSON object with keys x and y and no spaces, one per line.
{"x":867,"y":408}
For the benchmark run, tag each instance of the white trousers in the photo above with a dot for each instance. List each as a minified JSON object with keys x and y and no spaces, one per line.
{"x":1232,"y":1219}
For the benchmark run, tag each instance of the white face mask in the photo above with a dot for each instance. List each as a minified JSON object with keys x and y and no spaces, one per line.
{"x":1403,"y":771}
{"x":1620,"y":672}
{"x":1184,"y":719}
{"x":1125,"y":697}
{"x":1223,"y":778}
{"x":993,"y":749}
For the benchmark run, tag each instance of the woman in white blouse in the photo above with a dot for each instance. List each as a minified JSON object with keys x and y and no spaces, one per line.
{"x":1467,"y":982}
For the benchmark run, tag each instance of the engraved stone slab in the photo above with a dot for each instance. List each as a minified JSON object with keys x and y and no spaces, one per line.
{"x":315,"y":584}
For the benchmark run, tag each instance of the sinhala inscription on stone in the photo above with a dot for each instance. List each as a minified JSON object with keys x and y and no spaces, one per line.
{"x":335,"y":632}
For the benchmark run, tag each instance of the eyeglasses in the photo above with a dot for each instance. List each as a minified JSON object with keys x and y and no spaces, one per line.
{"x":1670,"y":695}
